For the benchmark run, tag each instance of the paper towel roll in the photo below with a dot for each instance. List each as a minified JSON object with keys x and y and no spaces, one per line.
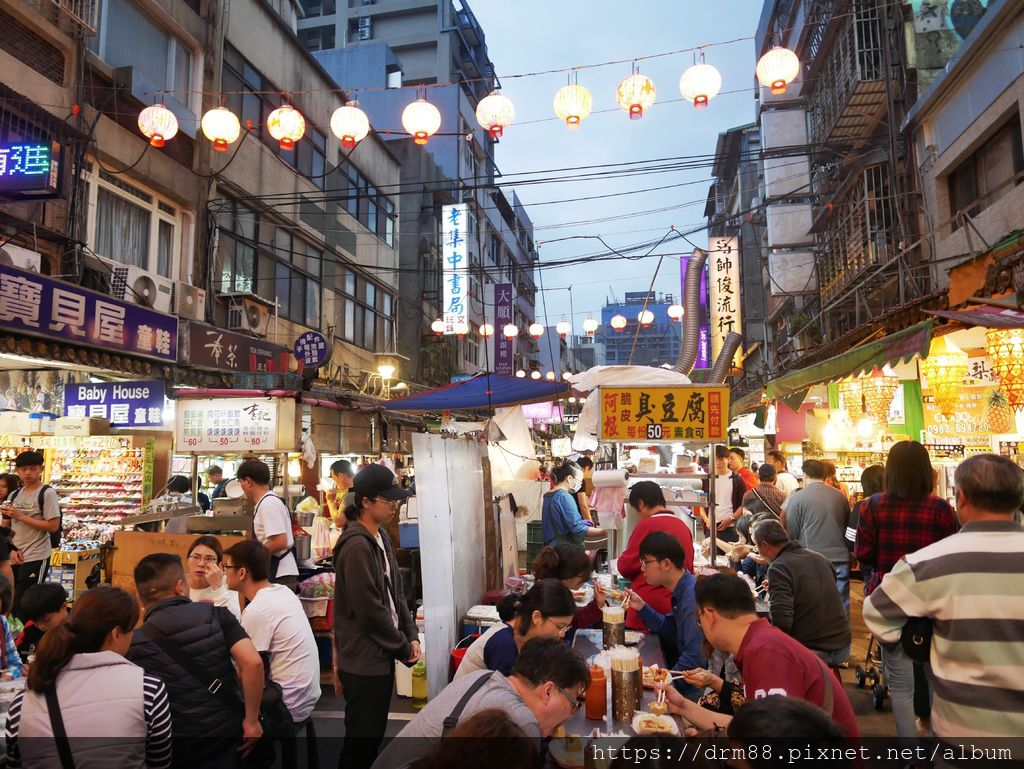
{"x":609,"y":479}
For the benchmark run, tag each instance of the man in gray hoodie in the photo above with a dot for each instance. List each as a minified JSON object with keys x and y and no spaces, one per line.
{"x":372,"y":623}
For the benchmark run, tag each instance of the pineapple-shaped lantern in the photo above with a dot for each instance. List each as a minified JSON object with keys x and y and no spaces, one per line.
{"x":999,"y":416}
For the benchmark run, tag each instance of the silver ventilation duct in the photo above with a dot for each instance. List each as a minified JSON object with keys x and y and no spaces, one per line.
{"x":691,"y":320}
{"x":722,"y":365}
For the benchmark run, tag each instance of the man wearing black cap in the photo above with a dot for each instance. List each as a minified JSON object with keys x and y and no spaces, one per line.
{"x":35,"y":517}
{"x":372,"y":623}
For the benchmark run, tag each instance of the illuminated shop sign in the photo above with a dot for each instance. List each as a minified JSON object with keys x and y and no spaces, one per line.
{"x":29,"y":167}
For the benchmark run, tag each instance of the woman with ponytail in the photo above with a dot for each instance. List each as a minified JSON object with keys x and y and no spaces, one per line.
{"x":111,"y":713}
{"x":546,"y":611}
{"x":571,"y":566}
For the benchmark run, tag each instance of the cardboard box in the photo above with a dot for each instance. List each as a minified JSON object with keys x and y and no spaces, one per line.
{"x":81,"y":426}
{"x":15,"y":423}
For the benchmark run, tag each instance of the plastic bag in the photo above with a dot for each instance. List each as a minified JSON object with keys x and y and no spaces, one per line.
{"x":321,"y":544}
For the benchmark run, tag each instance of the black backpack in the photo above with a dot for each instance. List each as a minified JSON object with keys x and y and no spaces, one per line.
{"x":55,"y":536}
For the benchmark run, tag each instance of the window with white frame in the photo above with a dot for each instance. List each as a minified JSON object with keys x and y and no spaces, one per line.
{"x":131,"y":225}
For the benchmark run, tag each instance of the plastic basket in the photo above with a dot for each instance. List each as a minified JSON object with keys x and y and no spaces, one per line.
{"x":535,"y":533}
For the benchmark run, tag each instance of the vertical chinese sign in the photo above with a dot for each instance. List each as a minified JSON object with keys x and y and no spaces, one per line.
{"x":724,"y":258}
{"x":651,"y":414}
{"x":455,"y":261}
{"x":504,"y":349}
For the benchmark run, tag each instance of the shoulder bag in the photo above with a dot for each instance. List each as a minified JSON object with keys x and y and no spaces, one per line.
{"x":453,"y":718}
{"x":60,"y":736}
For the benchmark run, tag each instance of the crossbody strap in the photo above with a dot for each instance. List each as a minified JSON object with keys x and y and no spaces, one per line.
{"x":771,"y":508}
{"x":453,"y":718}
{"x":828,"y":699}
{"x":60,"y":735}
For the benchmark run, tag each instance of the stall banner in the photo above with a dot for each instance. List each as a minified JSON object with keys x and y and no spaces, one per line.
{"x":40,"y":306}
{"x":504,"y":349}
{"x":967,"y":426}
{"x":652,"y":414}
{"x":226,"y":424}
{"x":724,"y":258}
{"x":215,"y":348}
{"x":124,"y":404}
{"x":455,"y":265}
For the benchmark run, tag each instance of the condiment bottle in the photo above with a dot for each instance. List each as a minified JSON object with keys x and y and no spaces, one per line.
{"x":419,"y":685}
{"x":597,"y":694}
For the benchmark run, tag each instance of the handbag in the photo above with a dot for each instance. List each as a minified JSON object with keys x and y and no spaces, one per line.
{"x":60,"y":736}
{"x":916,"y":638}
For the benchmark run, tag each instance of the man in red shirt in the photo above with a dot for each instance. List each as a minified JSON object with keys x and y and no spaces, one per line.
{"x":648,"y":500}
{"x":770,"y":662}
{"x":737,"y":457}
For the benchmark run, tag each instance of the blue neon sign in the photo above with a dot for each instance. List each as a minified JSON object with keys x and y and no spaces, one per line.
{"x":28,"y":166}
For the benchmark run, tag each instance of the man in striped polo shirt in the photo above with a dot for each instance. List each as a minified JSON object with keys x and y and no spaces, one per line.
{"x":969,"y":584}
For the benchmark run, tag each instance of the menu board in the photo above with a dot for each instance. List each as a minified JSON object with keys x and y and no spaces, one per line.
{"x":226,"y":424}
{"x":664,"y":414}
{"x":967,"y":426}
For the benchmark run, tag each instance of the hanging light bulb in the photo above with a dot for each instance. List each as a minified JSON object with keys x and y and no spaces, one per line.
{"x":646,"y":318}
{"x":350,"y":124}
{"x":221,"y":126}
{"x":461,"y":328}
{"x":521,"y":374}
{"x":1006,"y":348}
{"x":635,"y":94}
{"x":618,"y":322}
{"x":536,"y":330}
{"x":676,"y":311}
{"x":534,"y":375}
{"x":573,"y":104}
{"x":879,"y":389}
{"x":422,"y":120}
{"x":486,"y":330}
{"x":778,"y":68}
{"x":945,"y":368}
{"x":550,"y":376}
{"x":511,"y":331}
{"x":564,"y":328}
{"x":495,"y":112}
{"x":158,"y":124}
{"x":590,"y":325}
{"x":287,"y":125}
{"x":437,"y":327}
{"x":700,"y":84}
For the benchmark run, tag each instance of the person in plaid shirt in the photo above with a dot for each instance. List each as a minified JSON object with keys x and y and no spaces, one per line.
{"x":766,"y":497}
{"x":901,"y":520}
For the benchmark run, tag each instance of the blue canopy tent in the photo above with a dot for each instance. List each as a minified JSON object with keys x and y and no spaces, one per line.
{"x":483,"y":391}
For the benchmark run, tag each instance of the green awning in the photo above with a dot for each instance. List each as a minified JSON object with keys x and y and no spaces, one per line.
{"x":901,"y":346}
{"x":746,"y":403}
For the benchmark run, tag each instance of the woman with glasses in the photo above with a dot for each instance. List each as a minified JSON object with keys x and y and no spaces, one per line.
{"x":546,"y":611}
{"x":205,"y":575}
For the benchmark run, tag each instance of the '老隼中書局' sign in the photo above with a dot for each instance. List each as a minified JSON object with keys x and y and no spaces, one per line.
{"x":40,"y":306}
{"x":650,"y":414}
{"x":124,"y":404}
{"x":455,"y":264}
{"x":28,"y":167}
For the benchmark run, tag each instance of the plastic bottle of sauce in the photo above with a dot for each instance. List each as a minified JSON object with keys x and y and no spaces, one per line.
{"x":419,"y":685}
{"x":597,"y":694}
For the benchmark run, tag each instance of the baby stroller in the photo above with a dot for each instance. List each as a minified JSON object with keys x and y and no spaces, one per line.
{"x":869,"y":675}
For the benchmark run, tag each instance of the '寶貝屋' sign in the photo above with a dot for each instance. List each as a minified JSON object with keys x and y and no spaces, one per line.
{"x":650,"y":414}
{"x":455,"y":266}
{"x":125,"y":404}
{"x":40,"y":306}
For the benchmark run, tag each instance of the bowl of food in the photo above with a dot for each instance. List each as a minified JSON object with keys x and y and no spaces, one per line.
{"x":649,"y":723}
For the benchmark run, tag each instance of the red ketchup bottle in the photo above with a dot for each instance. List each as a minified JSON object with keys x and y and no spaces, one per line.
{"x":597,"y":693}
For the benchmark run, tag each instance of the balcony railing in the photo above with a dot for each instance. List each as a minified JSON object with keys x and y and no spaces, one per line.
{"x":83,"y":13}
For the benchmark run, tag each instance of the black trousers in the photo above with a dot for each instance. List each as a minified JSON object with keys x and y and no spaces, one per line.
{"x":26,"y":575}
{"x":367,"y":702}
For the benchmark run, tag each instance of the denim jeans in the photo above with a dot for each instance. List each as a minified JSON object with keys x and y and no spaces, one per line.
{"x":899,"y":676}
{"x":834,"y":658}
{"x":843,"y":584}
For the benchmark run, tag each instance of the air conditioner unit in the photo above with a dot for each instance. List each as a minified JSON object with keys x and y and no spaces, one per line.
{"x":22,"y":258}
{"x":132,"y":284}
{"x":188,"y":301}
{"x":249,"y":315}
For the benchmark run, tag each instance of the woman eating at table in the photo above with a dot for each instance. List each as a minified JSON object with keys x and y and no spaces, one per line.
{"x":571,"y":566}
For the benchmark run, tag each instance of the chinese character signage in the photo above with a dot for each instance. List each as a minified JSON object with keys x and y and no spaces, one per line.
{"x":214,"y":348}
{"x":455,"y":269}
{"x":226,"y":424}
{"x":504,"y":349}
{"x":312,"y":350}
{"x":724,"y":258}
{"x":704,"y":340}
{"x":652,"y":414}
{"x":33,"y":304}
{"x":28,"y":167}
{"x":124,"y":404}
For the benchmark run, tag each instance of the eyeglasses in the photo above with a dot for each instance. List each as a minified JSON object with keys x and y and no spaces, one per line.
{"x":394,"y":504}
{"x":575,"y":702}
{"x":562,"y":629}
{"x":648,"y":561}
{"x":203,"y":558}
{"x":231,"y":566}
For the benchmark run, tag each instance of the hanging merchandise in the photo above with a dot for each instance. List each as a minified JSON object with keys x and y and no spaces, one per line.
{"x":880,"y":388}
{"x":421,"y":120}
{"x":700,"y":83}
{"x":1006,"y":349}
{"x":350,"y":124}
{"x":158,"y":124}
{"x":573,"y":103}
{"x":778,"y":68}
{"x":221,"y":126}
{"x":495,"y":113}
{"x":287,"y":125}
{"x":945,"y":369}
{"x":635,"y":94}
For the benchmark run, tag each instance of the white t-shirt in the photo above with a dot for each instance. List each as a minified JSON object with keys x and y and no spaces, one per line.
{"x":277,"y":624}
{"x":221,"y":597}
{"x":787,"y":483}
{"x":387,"y":576}
{"x":272,"y":518}
{"x":34,"y":543}
{"x":723,"y":496}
